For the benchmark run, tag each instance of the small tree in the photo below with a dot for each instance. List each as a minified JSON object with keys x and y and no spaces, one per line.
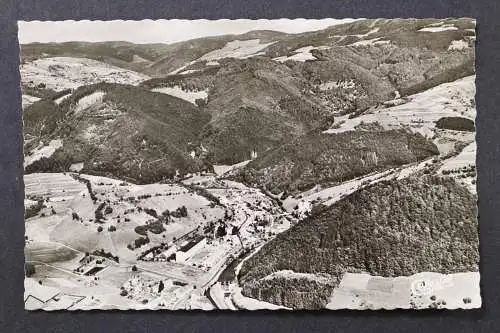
{"x":161,"y":286}
{"x":183,"y":211}
{"x":200,"y":102}
{"x":30,"y":269}
{"x":221,"y":231}
{"x":99,"y":229}
{"x":234,"y":230}
{"x":134,"y":268}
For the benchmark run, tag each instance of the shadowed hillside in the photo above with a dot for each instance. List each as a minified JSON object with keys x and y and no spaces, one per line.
{"x":122,"y":131}
{"x":392,"y":228}
{"x":255,"y":104}
{"x":319,"y":158}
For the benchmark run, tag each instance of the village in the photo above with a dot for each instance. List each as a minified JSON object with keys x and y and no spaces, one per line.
{"x":185,"y":248}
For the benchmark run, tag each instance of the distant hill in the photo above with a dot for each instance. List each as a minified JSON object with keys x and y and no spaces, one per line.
{"x":397,"y":51}
{"x":392,"y":228}
{"x":121,"y":54}
{"x":263,"y":90}
{"x":156,"y":59}
{"x":380,"y":56}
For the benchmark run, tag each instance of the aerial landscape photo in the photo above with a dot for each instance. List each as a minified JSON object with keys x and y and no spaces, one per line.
{"x":250,"y":164}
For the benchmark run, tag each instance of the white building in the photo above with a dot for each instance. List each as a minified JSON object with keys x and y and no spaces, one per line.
{"x":188,"y":250}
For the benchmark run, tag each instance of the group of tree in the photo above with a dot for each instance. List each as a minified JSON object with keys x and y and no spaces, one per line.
{"x":456,"y":123}
{"x":154,"y":226}
{"x":105,"y":254}
{"x":34,"y":209}
{"x":99,"y":216}
{"x":180,"y":212}
{"x":138,"y":242}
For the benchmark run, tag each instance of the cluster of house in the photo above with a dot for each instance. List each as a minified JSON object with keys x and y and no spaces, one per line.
{"x":179,"y":252}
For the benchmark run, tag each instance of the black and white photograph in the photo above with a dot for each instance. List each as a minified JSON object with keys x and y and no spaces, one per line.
{"x":287,"y":164}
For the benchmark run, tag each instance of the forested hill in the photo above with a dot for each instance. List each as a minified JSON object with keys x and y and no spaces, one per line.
{"x":392,"y":228}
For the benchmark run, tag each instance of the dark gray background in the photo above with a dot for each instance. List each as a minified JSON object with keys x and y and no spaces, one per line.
{"x":14,"y":319}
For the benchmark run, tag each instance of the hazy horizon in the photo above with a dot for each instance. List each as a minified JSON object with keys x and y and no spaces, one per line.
{"x":158,"y":31}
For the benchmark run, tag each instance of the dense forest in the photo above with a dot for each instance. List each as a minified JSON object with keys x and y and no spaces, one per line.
{"x":392,"y":228}
{"x":319,"y":158}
